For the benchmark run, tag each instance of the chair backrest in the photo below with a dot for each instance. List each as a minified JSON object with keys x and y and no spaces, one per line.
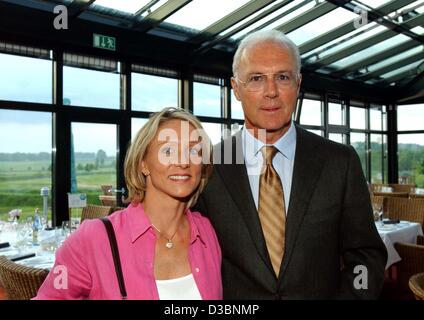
{"x":416,"y":196}
{"x":412,"y":262}
{"x":391,"y":194}
{"x":106,"y":200}
{"x":92,"y":211}
{"x":405,"y":209}
{"x":416,"y":284}
{"x":397,"y":187}
{"x":376,"y":187}
{"x":20,"y":282}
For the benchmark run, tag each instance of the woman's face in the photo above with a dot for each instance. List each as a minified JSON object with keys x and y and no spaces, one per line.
{"x":173,"y":162}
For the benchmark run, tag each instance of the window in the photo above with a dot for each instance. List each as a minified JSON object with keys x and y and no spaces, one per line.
{"x":214,"y":131}
{"x":337,"y":137}
{"x":25,"y":160}
{"x":94,"y":155}
{"x":136,"y":125}
{"x":206,"y":100}
{"x":410,"y":117}
{"x":336,"y":114}
{"x":357,"y":118}
{"x":376,"y":119}
{"x":378,"y":158}
{"x":358,"y":141}
{"x":153,"y":93}
{"x":91,"y":82}
{"x":317,"y":132}
{"x":411,"y":158}
{"x":91,"y":88}
{"x":236,"y":108}
{"x":311,"y":112}
{"x":25,"y":79}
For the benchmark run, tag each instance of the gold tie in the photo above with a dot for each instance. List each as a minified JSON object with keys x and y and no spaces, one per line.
{"x":272,"y":209}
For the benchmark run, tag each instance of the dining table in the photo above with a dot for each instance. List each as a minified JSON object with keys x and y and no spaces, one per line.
{"x":398,"y":231}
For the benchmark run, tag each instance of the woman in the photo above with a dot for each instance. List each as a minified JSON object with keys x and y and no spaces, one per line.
{"x":166,"y":251}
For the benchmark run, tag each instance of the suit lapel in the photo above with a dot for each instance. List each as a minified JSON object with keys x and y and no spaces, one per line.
{"x":308,"y":165}
{"x":235,"y":178}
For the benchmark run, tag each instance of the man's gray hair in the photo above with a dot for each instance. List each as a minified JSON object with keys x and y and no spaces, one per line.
{"x":262,"y":36}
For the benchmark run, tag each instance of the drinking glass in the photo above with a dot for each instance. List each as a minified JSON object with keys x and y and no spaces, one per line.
{"x":66,"y":228}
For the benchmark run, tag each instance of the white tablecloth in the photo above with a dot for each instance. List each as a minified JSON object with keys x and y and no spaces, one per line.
{"x":401,"y":232}
{"x":44,"y":251}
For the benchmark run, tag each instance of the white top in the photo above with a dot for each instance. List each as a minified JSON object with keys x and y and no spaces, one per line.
{"x":183,"y":288}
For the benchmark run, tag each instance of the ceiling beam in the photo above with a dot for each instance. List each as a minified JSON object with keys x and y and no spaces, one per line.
{"x":75,"y":8}
{"x":230,"y":19}
{"x":349,"y":27}
{"x":306,"y":17}
{"x":399,"y":64}
{"x":399,"y":76}
{"x":414,"y":90}
{"x":156,"y":17}
{"x":356,"y":47}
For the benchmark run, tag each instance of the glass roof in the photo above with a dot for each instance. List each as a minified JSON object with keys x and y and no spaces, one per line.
{"x":321,"y":25}
{"x":129,"y":6}
{"x":199,"y":14}
{"x":411,"y":66}
{"x":252,"y":16}
{"x":347,"y":40}
{"x":395,"y":58}
{"x":372,"y":3}
{"x":418,"y":30}
{"x":265,"y":24}
{"x":379,"y":47}
{"x":325,"y":32}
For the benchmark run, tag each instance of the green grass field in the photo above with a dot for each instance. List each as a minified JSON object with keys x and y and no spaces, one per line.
{"x":21,"y":181}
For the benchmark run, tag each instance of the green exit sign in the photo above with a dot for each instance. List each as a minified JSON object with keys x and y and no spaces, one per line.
{"x":104,"y":42}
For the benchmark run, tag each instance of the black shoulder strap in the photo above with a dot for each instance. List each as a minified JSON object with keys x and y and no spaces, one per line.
{"x":115,"y":254}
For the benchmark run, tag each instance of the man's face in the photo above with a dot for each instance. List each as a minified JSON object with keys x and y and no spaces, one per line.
{"x":271,"y":106}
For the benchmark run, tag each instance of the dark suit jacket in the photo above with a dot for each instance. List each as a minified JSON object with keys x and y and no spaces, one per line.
{"x":329,"y":224}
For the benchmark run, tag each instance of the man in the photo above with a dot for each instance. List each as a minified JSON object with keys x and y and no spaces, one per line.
{"x":294,"y":218}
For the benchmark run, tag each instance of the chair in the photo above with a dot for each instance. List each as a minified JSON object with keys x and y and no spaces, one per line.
{"x":20,"y":282}
{"x":416,"y":284}
{"x":391,"y":194}
{"x":398,"y":187}
{"x":92,"y":211}
{"x":107,"y":200}
{"x":416,"y":196}
{"x":375,"y":187}
{"x":412,"y":262}
{"x":405,"y":209}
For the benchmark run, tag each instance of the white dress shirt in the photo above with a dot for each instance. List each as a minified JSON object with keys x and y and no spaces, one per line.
{"x":283,"y":161}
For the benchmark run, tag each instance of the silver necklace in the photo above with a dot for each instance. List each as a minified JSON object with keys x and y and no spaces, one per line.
{"x":169,"y":243}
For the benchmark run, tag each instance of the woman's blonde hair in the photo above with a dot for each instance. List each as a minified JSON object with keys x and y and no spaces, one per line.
{"x":135,"y":180}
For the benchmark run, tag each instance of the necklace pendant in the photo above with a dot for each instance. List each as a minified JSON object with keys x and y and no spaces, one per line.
{"x":169,"y":244}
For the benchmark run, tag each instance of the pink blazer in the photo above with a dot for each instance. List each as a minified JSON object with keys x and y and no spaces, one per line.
{"x":84,"y":267}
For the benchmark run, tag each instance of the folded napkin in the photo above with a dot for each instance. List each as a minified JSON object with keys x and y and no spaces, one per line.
{"x":21,"y":256}
{"x":394,"y":221}
{"x":4,"y":245}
